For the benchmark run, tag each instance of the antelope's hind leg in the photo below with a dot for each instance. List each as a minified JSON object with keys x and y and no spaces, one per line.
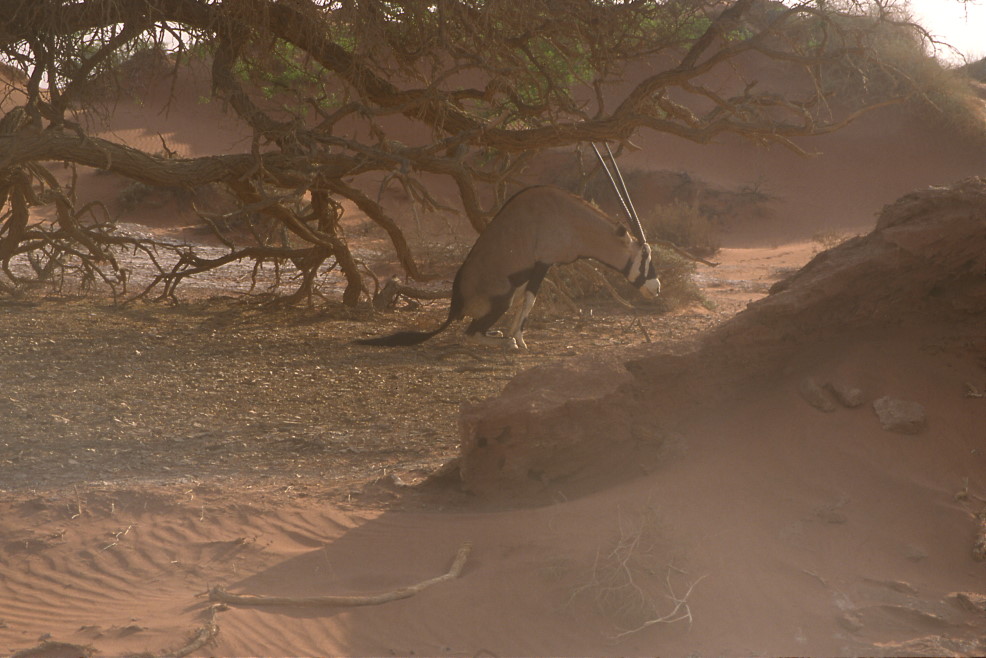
{"x":478,"y":329}
{"x":530,"y":293}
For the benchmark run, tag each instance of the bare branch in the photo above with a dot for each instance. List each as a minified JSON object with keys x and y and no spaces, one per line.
{"x":332,"y":91}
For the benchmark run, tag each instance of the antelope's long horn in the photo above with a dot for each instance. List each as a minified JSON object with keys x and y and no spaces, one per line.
{"x":621,"y":192}
{"x":626,"y":194}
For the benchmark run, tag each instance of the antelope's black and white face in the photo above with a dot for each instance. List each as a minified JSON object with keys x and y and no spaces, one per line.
{"x":643,"y":275}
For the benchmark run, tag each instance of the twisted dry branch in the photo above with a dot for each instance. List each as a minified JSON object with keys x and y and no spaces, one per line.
{"x":489,"y":83}
{"x":219,"y":595}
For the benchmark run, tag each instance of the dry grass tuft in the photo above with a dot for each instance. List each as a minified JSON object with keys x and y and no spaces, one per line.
{"x":684,"y":224}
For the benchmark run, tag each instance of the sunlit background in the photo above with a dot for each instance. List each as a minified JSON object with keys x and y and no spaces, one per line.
{"x":962,"y":25}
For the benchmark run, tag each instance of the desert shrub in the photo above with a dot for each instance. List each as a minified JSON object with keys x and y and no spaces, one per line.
{"x":134,"y":195}
{"x":137,"y":195}
{"x":584,"y":282}
{"x":441,"y":256}
{"x":685,"y":224}
{"x":678,"y":287}
{"x":944,"y":96}
{"x":901,"y":67}
{"x":950,"y":102}
{"x":975,"y":70}
{"x":211,"y":198}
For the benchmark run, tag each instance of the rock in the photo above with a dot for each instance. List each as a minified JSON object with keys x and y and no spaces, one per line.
{"x":979,"y":543}
{"x":848,"y":396}
{"x":909,"y":615}
{"x":833,"y":516}
{"x":900,"y":415}
{"x":901,"y":586}
{"x":815,"y":395}
{"x":915,"y":553}
{"x":549,"y":423}
{"x":932,"y":645}
{"x":971,"y":601}
{"x":850,"y":621}
{"x":832,"y":512}
{"x":922,"y":241}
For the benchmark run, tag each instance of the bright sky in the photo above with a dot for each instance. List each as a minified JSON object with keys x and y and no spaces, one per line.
{"x":961,"y":24}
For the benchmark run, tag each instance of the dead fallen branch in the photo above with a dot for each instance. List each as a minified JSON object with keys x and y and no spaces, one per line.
{"x":203,"y":636}
{"x":243,"y":600}
{"x":393,"y":289}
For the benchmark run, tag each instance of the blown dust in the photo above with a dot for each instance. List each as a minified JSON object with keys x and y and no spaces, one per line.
{"x":148,"y":453}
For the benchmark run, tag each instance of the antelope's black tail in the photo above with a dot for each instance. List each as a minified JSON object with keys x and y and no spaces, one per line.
{"x":406,"y":338}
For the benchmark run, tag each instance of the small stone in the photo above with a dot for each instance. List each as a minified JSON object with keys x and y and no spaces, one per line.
{"x":815,"y":395}
{"x":915,"y":553}
{"x":899,"y":415}
{"x":979,"y":543}
{"x":848,"y":396}
{"x":851,"y":621}
{"x":833,"y":516}
{"x":901,"y":586}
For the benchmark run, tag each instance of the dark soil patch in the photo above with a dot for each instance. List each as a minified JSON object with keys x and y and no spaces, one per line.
{"x":233,"y":389}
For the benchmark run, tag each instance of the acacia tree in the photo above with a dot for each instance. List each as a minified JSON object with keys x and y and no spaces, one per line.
{"x":489,"y":82}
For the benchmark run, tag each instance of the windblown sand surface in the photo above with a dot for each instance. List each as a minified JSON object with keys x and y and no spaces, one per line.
{"x":723,"y":513}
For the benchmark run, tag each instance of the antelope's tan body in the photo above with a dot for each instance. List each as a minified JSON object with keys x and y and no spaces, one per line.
{"x":536,"y":228}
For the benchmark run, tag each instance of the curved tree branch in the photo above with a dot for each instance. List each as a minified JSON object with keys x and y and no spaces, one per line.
{"x":330,"y":90}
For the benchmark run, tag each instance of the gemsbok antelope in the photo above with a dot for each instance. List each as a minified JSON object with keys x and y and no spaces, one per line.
{"x":536,"y":228}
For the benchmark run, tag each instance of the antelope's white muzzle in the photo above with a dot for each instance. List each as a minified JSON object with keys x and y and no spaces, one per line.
{"x":651,"y":287}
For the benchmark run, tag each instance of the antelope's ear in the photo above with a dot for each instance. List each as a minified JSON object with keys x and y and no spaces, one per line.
{"x":624,"y":235}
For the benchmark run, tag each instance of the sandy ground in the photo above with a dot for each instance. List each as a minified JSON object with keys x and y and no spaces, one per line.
{"x":265,"y":455}
{"x":135,"y":435}
{"x":150,"y":453}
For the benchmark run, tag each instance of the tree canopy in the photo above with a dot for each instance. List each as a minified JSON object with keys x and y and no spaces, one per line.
{"x":486,"y":83}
